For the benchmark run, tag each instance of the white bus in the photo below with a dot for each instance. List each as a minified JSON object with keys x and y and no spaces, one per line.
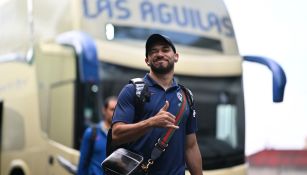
{"x":48,"y":99}
{"x":209,"y":64}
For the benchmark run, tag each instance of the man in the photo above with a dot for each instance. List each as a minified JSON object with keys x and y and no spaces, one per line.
{"x":93,"y":147}
{"x":141,"y":132}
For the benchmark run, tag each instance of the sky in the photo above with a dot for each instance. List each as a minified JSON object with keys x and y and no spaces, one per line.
{"x":276,"y":29}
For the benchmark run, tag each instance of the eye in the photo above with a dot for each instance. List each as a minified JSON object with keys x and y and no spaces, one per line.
{"x":152,"y":51}
{"x":165,"y":49}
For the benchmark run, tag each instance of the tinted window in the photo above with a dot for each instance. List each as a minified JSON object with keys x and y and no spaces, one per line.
{"x":181,"y":38}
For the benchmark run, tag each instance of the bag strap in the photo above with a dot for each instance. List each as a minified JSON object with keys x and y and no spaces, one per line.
{"x":163,"y":141}
{"x":168,"y":135}
{"x":142,"y":94}
{"x":190,"y":99}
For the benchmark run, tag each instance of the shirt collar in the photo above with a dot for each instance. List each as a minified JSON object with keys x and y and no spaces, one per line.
{"x":150,"y":82}
{"x":103,"y":128}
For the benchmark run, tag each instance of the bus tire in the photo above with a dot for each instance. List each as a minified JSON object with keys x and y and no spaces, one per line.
{"x":17,"y":171}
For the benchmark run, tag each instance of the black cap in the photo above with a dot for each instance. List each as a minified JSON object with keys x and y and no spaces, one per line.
{"x":154,"y":38}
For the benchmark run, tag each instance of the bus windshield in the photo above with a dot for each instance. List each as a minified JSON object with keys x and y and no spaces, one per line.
{"x":219,"y":107}
{"x":220,"y":117}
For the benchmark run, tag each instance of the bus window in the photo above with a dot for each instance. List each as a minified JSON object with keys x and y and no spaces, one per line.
{"x":114,"y":77}
{"x":221,"y":141}
{"x":87,"y":108}
{"x":226,"y":125}
{"x":179,"y":38}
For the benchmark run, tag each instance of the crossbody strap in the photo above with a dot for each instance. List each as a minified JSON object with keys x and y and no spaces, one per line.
{"x":163,"y":141}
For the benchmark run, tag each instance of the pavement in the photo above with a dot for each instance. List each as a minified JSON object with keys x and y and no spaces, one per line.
{"x":276,"y":171}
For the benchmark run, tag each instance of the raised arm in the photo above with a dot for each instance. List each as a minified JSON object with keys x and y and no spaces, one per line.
{"x":125,"y":133}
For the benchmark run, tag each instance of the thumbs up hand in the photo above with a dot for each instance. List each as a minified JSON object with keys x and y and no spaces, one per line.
{"x":163,"y":118}
{"x":165,"y":107}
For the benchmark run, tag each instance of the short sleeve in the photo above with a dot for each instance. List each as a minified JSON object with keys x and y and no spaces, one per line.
{"x":191,"y":126}
{"x":125,"y":108}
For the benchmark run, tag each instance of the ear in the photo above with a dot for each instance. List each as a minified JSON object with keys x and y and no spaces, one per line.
{"x":176,"y":56}
{"x":146,"y":61}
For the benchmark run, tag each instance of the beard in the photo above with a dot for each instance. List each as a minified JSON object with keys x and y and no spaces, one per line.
{"x":162,"y":70}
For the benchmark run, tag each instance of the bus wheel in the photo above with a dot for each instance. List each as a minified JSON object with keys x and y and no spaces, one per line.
{"x":17,"y":171}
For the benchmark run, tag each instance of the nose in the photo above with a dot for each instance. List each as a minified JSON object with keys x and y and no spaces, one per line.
{"x":160,"y":53}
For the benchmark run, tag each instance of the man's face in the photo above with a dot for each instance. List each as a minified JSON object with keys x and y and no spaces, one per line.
{"x":108,"y":112}
{"x":161,"y":58}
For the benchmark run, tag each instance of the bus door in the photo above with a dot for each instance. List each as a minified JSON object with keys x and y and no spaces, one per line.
{"x":68,"y":95}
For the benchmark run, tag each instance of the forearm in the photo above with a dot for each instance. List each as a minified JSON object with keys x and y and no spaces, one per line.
{"x":124,"y":133}
{"x":194,"y":162}
{"x":193,"y":158}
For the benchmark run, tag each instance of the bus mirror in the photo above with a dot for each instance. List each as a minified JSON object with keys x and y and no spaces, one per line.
{"x":85,"y":48}
{"x":279,"y":76}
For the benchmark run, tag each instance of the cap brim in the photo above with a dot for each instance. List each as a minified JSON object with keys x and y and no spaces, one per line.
{"x":154,"y":38}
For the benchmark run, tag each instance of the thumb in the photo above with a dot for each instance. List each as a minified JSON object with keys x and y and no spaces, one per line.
{"x":165,"y":107}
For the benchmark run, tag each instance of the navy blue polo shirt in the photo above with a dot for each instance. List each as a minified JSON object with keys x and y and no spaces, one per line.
{"x":172,"y":161}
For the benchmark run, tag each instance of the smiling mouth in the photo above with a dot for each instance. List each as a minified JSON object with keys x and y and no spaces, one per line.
{"x":160,"y":60}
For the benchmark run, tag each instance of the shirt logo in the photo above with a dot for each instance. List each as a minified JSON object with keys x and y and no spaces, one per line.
{"x":194,"y":113}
